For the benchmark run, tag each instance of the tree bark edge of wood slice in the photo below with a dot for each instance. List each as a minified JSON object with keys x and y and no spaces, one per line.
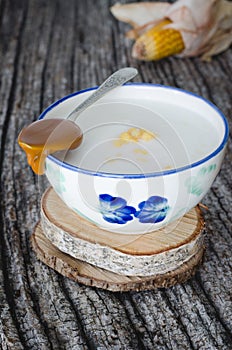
{"x":84,"y":241}
{"x":90,"y":275}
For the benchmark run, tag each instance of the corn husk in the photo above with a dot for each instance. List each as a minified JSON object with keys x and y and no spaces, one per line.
{"x":205,"y":25}
{"x":141,"y":16}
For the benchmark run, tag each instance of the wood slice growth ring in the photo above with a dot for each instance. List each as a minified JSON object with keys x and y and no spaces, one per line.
{"x":80,"y":250}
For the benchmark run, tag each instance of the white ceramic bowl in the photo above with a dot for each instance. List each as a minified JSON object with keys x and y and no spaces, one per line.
{"x":140,"y":186}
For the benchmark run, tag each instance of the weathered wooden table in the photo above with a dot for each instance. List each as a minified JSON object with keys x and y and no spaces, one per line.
{"x":47,"y":50}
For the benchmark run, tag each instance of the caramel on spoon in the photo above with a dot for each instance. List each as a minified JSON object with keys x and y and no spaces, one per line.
{"x":47,"y":136}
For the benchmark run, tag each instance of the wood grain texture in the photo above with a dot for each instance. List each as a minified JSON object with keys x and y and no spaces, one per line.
{"x":47,"y":50}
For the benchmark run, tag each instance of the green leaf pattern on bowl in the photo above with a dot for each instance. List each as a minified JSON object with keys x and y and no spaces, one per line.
{"x":58,"y":179}
{"x":195,"y":184}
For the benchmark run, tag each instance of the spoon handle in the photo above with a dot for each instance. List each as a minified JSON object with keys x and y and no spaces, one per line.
{"x":116,"y":79}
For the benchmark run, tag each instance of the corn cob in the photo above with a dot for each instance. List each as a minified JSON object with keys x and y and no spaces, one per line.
{"x":158,"y":42}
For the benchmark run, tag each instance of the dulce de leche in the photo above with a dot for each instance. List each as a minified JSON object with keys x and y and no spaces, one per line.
{"x":47,"y":136}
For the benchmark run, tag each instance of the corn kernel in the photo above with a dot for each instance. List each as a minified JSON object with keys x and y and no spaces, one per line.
{"x":133,"y":135}
{"x":147,"y":136}
{"x":158,"y":43}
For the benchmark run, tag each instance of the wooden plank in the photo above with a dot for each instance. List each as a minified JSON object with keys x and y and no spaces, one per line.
{"x":47,"y":50}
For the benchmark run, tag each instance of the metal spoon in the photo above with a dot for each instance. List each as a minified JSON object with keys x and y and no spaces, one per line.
{"x":118,"y":78}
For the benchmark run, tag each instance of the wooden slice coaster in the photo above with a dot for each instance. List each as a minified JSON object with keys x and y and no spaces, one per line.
{"x":90,"y":275}
{"x":149,"y":254}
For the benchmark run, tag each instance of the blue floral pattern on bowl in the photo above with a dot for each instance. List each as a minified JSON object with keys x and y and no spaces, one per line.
{"x":153,"y":210}
{"x":115,"y":209}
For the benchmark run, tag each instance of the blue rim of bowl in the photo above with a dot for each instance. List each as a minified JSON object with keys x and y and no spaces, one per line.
{"x":146,"y":175}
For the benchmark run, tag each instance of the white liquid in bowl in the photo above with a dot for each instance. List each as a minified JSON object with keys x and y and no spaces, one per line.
{"x":182,"y":137}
